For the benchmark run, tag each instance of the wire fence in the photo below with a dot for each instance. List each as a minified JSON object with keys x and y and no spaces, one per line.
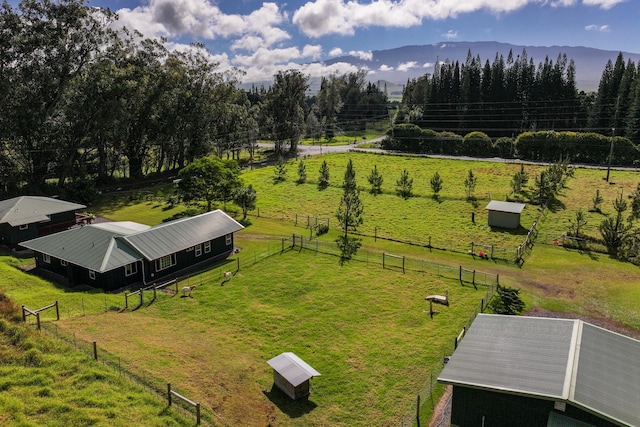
{"x":312,"y":222}
{"x":428,"y":394}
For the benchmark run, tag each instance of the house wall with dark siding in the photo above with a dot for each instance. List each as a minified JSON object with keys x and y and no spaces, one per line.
{"x":475,"y":407}
{"x":187,"y":258}
{"x":59,"y":222}
{"x":11,"y":236}
{"x":78,"y":275}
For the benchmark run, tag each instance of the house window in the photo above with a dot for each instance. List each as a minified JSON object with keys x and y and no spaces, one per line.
{"x":92,"y":275}
{"x":207,"y":247}
{"x":46,"y":258}
{"x":165,"y":262}
{"x":130,"y":269}
{"x":189,"y":249}
{"x":23,"y":226}
{"x":63,"y":263}
{"x":198,"y":250}
{"x":229,"y":239}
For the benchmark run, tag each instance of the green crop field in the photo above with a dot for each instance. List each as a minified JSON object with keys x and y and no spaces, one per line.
{"x":364,"y":328}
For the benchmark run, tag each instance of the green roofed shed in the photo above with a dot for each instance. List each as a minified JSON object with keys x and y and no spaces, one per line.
{"x":504,"y":214}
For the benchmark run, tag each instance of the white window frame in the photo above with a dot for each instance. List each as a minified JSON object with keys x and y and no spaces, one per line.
{"x":63,"y":263}
{"x":130,"y":269}
{"x":23,"y":227}
{"x":198,"y":250}
{"x":92,"y":275}
{"x":207,"y":247}
{"x":190,"y":248}
{"x":46,"y":258}
{"x":228,"y":239}
{"x":162,"y":264}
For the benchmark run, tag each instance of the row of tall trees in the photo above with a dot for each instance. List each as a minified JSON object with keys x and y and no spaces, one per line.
{"x":513,"y":95}
{"x":81,"y":102}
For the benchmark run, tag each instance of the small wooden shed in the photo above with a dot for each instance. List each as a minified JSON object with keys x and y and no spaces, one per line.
{"x":504,"y":214}
{"x":292,"y":374}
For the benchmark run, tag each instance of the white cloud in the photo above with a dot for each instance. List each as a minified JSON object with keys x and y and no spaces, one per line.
{"x":406,"y":66}
{"x":599,"y":28}
{"x":385,"y":67}
{"x":313,"y":70}
{"x":204,"y":20}
{"x":428,"y":65}
{"x":563,"y":3}
{"x":451,"y":34}
{"x":321,"y":17}
{"x":312,"y":51}
{"x":336,"y":51}
{"x":603,"y":4}
{"x":364,"y":55}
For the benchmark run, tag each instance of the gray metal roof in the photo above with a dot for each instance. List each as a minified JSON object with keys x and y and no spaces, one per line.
{"x":292,"y":368}
{"x":514,"y":354}
{"x":608,"y":375}
{"x":178,"y":235}
{"x":30,"y":209}
{"x":560,"y":359}
{"x":105,"y":246}
{"x":509,"y":207}
{"x":91,"y":246}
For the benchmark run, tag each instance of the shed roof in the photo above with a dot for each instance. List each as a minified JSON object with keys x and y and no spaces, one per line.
{"x":510,"y":207}
{"x":556,"y":359}
{"x":92,"y":246}
{"x":175,"y":236}
{"x":30,"y":209}
{"x":292,"y":368}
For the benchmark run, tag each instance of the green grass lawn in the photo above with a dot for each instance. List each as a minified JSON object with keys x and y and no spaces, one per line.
{"x":362,"y":327}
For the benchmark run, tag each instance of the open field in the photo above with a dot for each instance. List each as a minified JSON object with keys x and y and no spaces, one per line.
{"x":364,"y":329}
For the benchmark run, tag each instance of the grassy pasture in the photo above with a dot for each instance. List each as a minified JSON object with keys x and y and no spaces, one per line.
{"x":364,"y":329}
{"x":46,"y":383}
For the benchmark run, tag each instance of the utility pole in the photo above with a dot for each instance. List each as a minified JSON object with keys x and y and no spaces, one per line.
{"x":613,"y":134}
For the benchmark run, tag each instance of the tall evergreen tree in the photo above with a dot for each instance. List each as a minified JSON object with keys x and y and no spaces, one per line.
{"x":349,"y":215}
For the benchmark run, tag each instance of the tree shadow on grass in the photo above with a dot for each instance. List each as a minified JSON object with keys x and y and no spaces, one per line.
{"x":293,"y":408}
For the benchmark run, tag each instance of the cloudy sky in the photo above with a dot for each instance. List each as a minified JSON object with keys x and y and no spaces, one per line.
{"x":262,"y":37}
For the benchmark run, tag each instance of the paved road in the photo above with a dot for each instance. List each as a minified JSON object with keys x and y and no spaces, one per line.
{"x":319,"y":149}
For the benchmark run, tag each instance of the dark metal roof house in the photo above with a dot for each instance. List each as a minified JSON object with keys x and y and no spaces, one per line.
{"x":504,"y":214}
{"x":26,"y":217}
{"x":528,"y":371}
{"x":292,"y":374}
{"x":118,"y":254}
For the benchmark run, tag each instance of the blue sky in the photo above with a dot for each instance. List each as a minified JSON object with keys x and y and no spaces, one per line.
{"x":261,"y":37}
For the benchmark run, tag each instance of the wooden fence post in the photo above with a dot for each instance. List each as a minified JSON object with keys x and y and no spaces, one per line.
{"x":169,"y":393}
{"x":418,"y":411}
{"x":57,"y":311}
{"x":95,"y":350}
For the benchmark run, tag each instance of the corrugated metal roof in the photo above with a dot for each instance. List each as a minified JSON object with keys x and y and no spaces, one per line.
{"x":509,"y":207}
{"x":292,"y":368}
{"x":514,"y":354}
{"x":607,"y":379}
{"x":92,"y":246}
{"x":30,"y":209}
{"x":561,"y":359}
{"x":178,"y":235}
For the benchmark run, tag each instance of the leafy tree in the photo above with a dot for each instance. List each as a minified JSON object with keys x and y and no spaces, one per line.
{"x":302,"y":172}
{"x":615,"y":231}
{"x":404,"y":185}
{"x":245,"y":197}
{"x":375,"y":179}
{"x":280,"y":171}
{"x":436,"y":184}
{"x":323,"y":179}
{"x":507,"y":301}
{"x":209,"y":179}
{"x":578,"y":223}
{"x":470,"y":184}
{"x":597,"y":201}
{"x":285,"y":108}
{"x":349,"y":215}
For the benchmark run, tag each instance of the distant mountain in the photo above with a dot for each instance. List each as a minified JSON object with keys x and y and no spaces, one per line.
{"x":397,"y":65}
